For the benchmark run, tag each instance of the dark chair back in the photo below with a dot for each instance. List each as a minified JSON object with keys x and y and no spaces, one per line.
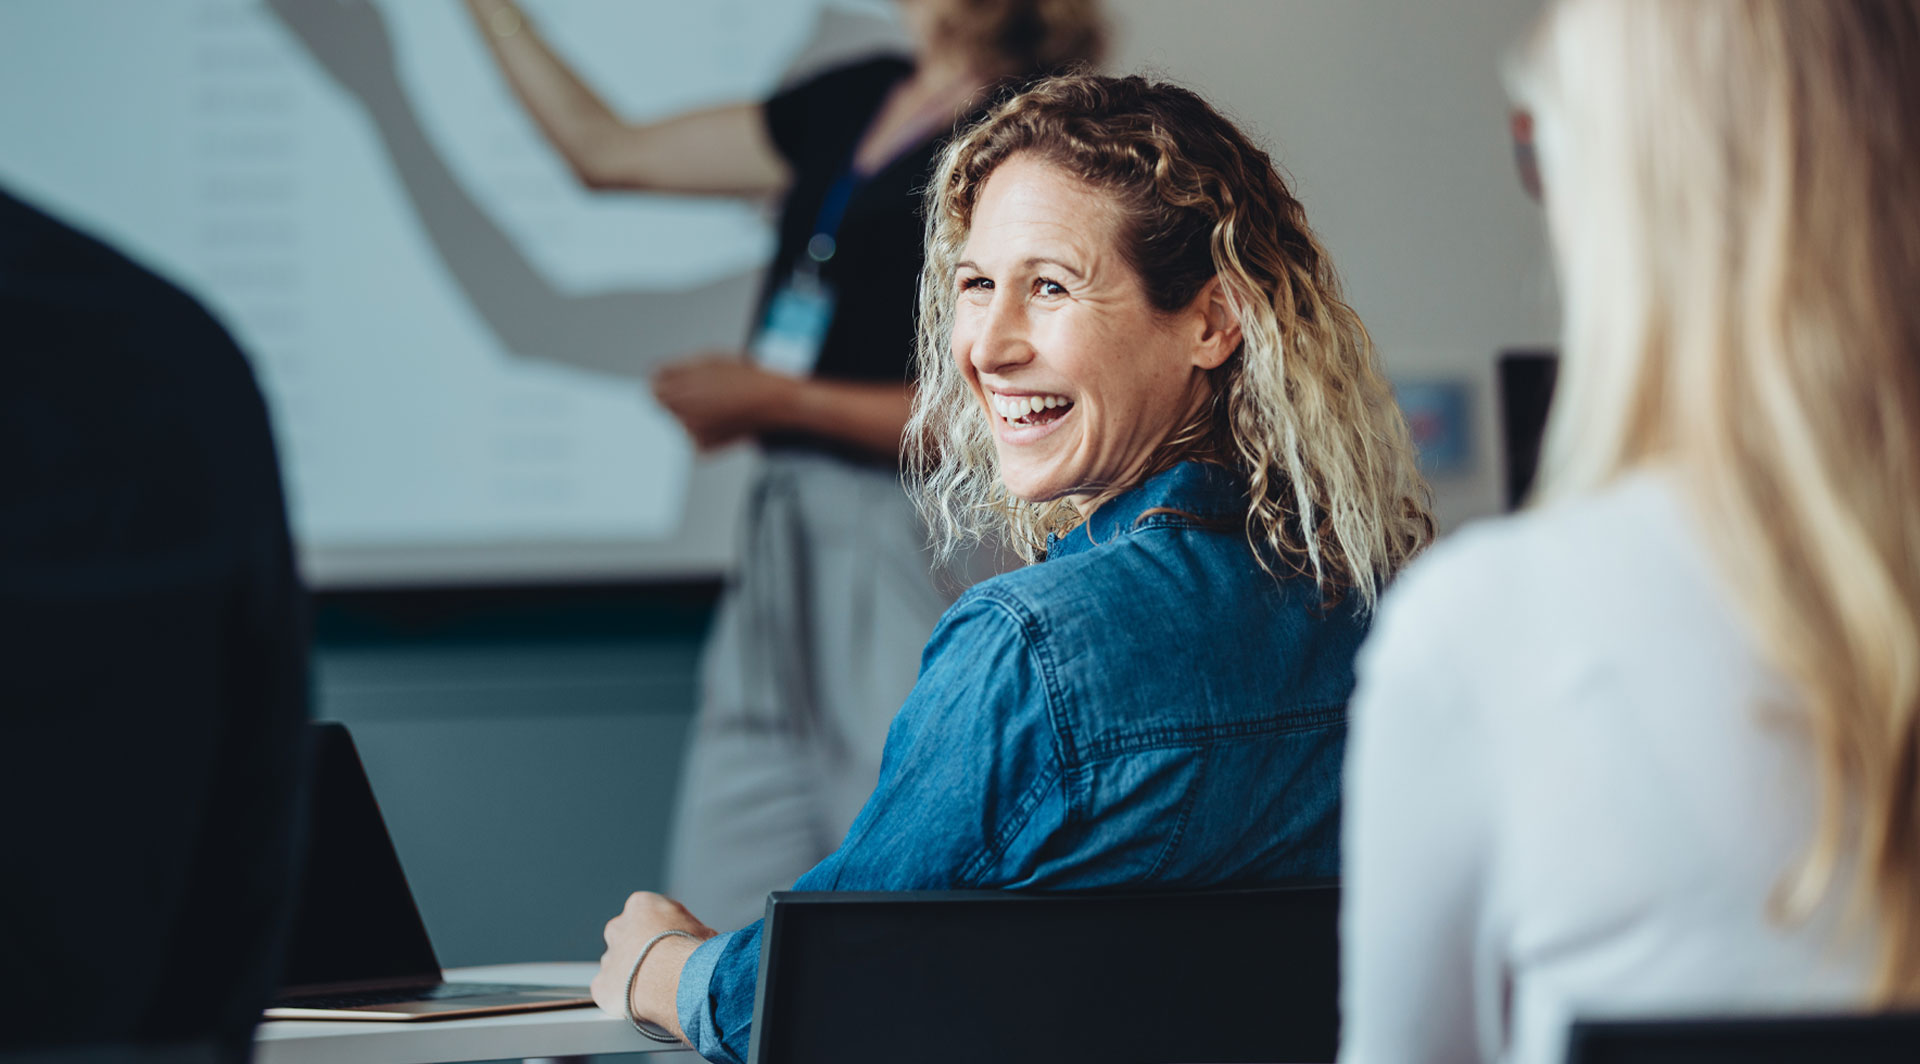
{"x":932,"y":977}
{"x":1862,"y":1039}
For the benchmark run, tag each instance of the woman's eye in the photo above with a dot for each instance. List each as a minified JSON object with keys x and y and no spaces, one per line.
{"x":973,"y":284}
{"x":1044,"y":287}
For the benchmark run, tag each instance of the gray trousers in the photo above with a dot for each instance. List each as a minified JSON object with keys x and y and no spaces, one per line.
{"x":815,"y":645}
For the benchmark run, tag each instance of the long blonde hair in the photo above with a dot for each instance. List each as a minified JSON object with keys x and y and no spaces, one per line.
{"x":1734,"y":189}
{"x":1301,"y":411}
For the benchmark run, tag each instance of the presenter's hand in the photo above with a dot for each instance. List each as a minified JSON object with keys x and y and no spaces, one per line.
{"x":348,"y":39}
{"x":721,"y":399}
{"x":657,"y":985}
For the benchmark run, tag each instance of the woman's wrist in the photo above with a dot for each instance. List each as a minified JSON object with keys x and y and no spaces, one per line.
{"x":655,"y":993}
{"x":801,"y":406}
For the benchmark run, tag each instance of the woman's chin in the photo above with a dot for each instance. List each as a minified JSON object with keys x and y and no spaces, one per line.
{"x":1026,"y":488}
{"x":1033,"y":487}
{"x":1031,"y":473}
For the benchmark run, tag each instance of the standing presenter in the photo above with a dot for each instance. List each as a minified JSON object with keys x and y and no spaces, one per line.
{"x":818,"y":636}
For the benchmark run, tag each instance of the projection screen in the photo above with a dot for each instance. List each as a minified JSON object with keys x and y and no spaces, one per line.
{"x":453,"y":335}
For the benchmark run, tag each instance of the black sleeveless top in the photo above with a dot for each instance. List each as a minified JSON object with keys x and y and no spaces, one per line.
{"x":875,"y":268}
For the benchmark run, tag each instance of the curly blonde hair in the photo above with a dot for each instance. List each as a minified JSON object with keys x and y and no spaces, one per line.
{"x":1300,"y":411}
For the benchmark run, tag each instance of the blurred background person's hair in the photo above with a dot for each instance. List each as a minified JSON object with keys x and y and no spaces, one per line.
{"x":1734,"y":192}
{"x":1653,"y":745}
{"x":1018,"y":37}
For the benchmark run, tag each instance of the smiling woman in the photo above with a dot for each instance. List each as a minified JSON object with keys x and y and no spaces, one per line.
{"x":1082,"y":375}
{"x":1120,"y":252}
{"x":1114,"y":274}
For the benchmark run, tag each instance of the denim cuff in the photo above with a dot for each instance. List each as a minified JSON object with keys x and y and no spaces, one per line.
{"x":694,"y":1004}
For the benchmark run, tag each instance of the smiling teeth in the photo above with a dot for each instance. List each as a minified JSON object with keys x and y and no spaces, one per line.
{"x":1013,"y":407}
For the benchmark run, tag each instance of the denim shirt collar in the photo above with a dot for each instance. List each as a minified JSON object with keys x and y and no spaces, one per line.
{"x":1202,"y":490}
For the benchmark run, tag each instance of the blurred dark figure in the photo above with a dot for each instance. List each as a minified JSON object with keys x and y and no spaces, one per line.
{"x":152,"y":664}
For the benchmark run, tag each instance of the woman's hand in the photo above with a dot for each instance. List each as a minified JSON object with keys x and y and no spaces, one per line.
{"x":721,"y":399}
{"x":645,"y":916}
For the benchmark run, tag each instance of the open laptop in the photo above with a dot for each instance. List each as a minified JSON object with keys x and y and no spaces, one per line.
{"x":358,"y":949}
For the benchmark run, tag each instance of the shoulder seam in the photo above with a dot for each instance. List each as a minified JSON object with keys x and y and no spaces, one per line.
{"x":1296,"y":720}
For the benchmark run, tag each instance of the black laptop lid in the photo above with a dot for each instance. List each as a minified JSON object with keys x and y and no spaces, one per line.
{"x":355,"y":919}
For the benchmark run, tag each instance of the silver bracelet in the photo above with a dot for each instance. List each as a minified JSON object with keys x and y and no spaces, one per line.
{"x":651,"y":1030}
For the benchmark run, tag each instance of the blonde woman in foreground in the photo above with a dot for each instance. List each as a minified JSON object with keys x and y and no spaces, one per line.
{"x":1650,"y":747}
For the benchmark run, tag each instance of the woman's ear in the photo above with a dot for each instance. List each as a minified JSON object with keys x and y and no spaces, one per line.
{"x":1219,"y":326}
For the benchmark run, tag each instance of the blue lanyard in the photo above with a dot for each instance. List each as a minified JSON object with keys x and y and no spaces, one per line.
{"x":833,"y":210}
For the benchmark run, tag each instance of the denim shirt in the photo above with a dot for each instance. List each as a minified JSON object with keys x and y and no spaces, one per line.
{"x":1147,"y":707}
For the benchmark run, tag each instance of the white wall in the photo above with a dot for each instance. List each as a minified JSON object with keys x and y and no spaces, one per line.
{"x":1390,"y":118}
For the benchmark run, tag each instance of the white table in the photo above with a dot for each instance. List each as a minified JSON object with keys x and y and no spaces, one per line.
{"x":529,"y":1035}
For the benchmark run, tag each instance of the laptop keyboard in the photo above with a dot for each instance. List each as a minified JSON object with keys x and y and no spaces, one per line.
{"x":443,"y":992}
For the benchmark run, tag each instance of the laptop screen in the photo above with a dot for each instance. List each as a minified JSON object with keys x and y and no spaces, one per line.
{"x":354,"y":918}
{"x":1526,"y":394}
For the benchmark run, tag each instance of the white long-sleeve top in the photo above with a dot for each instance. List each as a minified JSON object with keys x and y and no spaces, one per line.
{"x":1573,"y":785}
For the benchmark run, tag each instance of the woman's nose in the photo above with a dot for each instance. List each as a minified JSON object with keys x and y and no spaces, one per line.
{"x":1001,"y":340}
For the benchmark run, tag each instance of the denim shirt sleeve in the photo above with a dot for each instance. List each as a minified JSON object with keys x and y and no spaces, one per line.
{"x":970,"y":789}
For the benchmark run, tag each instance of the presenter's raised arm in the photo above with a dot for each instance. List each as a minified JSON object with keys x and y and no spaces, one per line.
{"x":721,"y":150}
